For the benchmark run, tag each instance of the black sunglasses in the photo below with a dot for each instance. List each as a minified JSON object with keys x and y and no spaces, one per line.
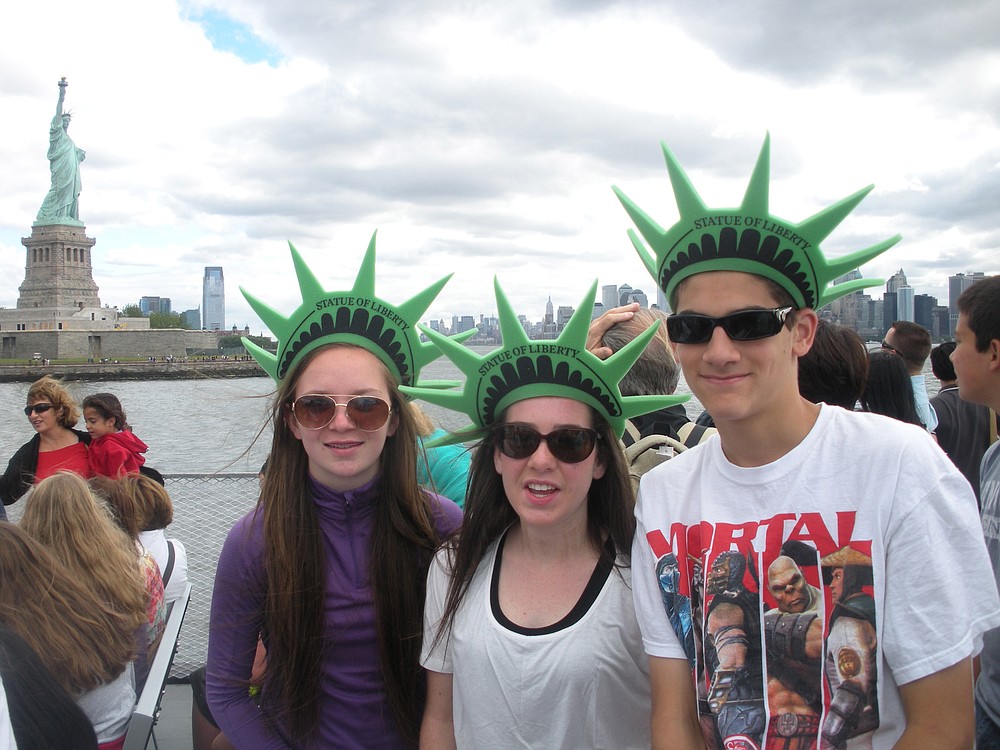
{"x":745,"y":325}
{"x":39,"y":408}
{"x":314,"y":411}
{"x":571,"y":445}
{"x":894,"y":350}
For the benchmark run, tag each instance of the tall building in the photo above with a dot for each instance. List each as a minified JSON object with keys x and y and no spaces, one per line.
{"x":956,"y":285}
{"x":897,"y":280}
{"x":923,"y":311}
{"x":661,"y":300}
{"x":192,"y":319}
{"x":213,"y":299}
{"x":904,"y":302}
{"x":890,"y":311}
{"x":609,"y":296}
{"x":150,"y":305}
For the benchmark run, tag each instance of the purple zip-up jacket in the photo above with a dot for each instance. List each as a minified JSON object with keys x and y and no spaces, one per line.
{"x":353,"y":710}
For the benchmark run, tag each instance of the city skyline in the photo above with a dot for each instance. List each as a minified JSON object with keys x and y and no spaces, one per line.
{"x":923,"y":308}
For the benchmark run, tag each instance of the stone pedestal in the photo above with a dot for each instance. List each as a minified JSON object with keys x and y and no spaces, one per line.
{"x":58,"y":274}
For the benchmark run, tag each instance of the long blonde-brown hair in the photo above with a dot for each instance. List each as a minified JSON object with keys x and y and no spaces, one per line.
{"x":82,"y":641}
{"x":63,"y":514}
{"x":403,"y":539}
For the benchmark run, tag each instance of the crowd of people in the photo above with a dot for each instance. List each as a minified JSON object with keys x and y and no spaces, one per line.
{"x":816,"y":571}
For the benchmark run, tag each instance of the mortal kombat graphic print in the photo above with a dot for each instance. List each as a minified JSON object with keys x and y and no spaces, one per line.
{"x":781,"y":642}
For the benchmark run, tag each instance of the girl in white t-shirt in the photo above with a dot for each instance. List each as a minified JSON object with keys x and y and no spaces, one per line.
{"x":530,"y":634}
{"x":530,"y":637}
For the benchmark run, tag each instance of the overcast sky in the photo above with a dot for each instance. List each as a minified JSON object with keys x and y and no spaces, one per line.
{"x":483,"y":138}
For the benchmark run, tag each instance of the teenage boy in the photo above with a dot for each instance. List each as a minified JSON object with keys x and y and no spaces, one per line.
{"x":876,"y":499}
{"x":977,"y":364}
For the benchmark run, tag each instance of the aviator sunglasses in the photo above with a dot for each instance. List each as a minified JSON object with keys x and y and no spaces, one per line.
{"x":314,"y":411}
{"x":571,"y":445}
{"x":745,"y":325}
{"x":39,"y":408}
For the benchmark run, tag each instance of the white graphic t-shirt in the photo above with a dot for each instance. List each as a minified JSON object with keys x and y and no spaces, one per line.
{"x":805,"y":591}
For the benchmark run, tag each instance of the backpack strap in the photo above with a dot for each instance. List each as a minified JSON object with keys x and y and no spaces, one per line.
{"x":691,"y":434}
{"x":631,"y":434}
{"x":170,"y":564}
{"x":656,"y":443}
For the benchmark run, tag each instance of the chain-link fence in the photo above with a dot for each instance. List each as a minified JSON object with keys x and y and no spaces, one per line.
{"x":205,"y":507}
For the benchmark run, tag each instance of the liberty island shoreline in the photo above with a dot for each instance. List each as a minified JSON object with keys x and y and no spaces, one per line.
{"x":117,"y":371}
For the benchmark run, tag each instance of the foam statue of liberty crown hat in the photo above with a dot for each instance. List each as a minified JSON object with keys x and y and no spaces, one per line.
{"x":749,"y":239}
{"x":356,"y":316}
{"x":522,"y":368}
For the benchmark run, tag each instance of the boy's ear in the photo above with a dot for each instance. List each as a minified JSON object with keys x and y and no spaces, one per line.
{"x":804,"y":331}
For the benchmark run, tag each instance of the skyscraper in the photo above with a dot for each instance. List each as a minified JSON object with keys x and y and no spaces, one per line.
{"x":897,"y":280}
{"x":213,"y":299}
{"x":609,"y":296}
{"x":956,"y":285}
{"x":904,"y":303}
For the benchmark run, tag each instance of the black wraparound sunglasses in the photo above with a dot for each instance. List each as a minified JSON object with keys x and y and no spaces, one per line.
{"x":314,"y":411}
{"x":36,"y":408}
{"x":744,"y":325}
{"x":571,"y":445}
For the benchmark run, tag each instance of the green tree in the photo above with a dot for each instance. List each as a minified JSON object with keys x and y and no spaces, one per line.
{"x":165,"y":320}
{"x":131,"y":311}
{"x":236,"y":342}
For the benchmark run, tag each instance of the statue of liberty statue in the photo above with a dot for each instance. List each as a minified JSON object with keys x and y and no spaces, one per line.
{"x":61,"y":204}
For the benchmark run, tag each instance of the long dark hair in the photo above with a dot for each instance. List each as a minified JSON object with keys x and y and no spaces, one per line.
{"x":107,"y":406}
{"x":889,"y":390}
{"x":610,"y":505}
{"x":404,"y":538}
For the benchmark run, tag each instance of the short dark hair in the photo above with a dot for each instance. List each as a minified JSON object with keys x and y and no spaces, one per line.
{"x":912,"y":342}
{"x":835,"y":369}
{"x":941,"y":364}
{"x":656,"y":371}
{"x":981,"y":305}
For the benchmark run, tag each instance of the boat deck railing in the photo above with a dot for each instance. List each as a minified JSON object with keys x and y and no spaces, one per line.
{"x":205,"y":507}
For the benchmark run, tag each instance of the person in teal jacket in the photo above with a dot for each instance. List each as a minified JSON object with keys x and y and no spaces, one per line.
{"x":444,"y":469}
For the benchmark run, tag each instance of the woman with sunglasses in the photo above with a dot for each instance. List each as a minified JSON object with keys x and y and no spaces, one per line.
{"x":329,"y":568}
{"x":56,"y":446}
{"x":530,"y":636}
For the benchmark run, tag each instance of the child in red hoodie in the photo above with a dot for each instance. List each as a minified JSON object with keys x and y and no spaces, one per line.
{"x":114,"y":449}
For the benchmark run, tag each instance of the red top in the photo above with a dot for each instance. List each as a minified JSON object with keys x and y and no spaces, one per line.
{"x":116,"y":454}
{"x":71,"y":458}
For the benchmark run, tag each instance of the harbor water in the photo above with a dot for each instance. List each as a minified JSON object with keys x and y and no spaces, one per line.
{"x":206,"y":425}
